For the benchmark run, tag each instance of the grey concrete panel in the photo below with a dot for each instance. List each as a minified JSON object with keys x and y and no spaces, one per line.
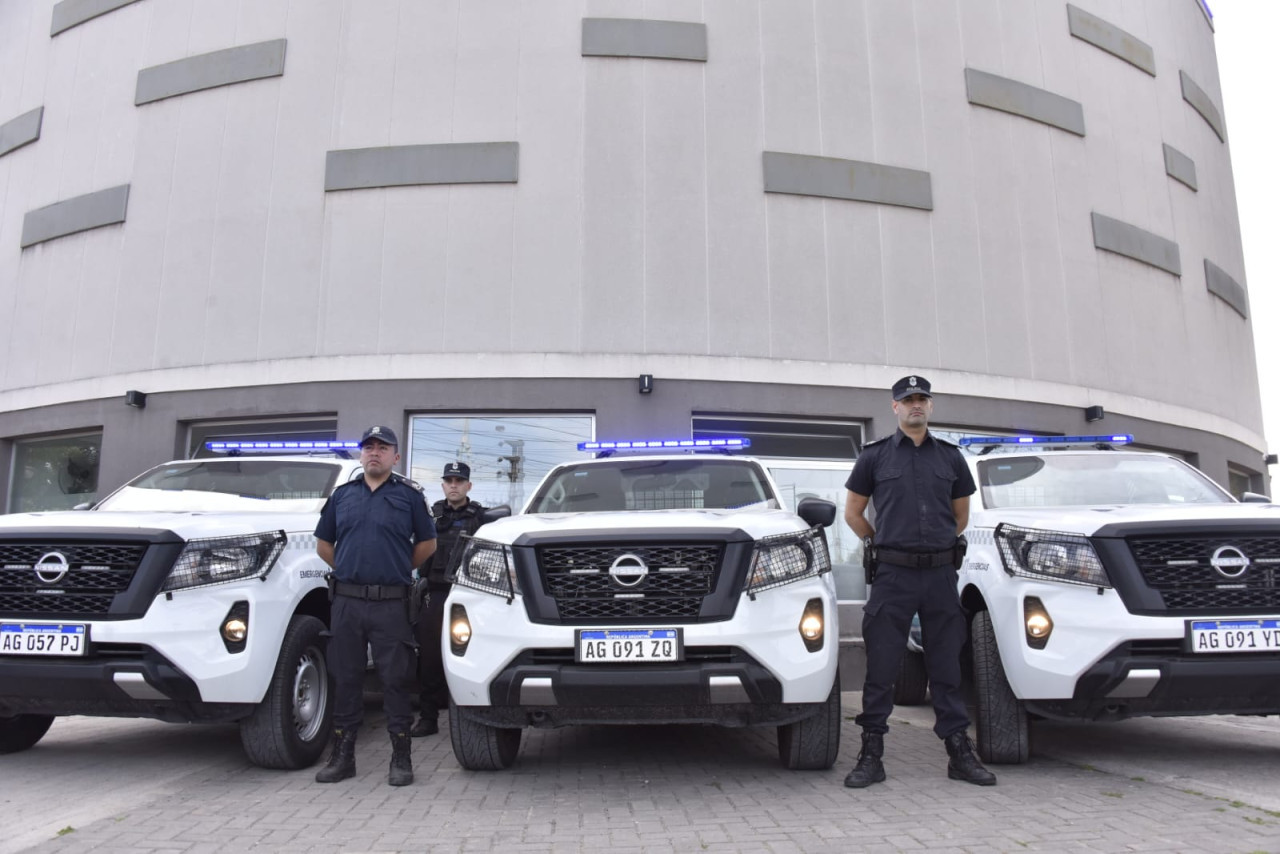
{"x":405,"y":165}
{"x":104,"y":207}
{"x":1112,"y":39}
{"x":69,"y":13}
{"x":1203,"y":104}
{"x":21,"y":130}
{"x":1179,"y":166}
{"x":1010,"y":96}
{"x":210,"y":70}
{"x":1133,"y":242}
{"x":1226,"y":288}
{"x":834,"y":178}
{"x":642,"y":38}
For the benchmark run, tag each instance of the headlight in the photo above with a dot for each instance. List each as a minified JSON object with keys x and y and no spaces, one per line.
{"x":785,"y":558}
{"x":1050,"y":555}
{"x":220,"y":559}
{"x":487,"y":567}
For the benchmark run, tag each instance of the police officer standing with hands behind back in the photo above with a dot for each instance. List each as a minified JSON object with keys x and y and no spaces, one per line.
{"x":373,"y":531}
{"x":455,"y":514}
{"x":920,"y":487}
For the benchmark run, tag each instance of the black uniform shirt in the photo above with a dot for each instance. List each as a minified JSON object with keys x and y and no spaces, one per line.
{"x":451,"y":523}
{"x":374,"y":531}
{"x":912,"y":489}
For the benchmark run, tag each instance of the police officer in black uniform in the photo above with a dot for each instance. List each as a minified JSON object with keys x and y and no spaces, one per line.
{"x":373,"y":531}
{"x":455,"y":514}
{"x":919,"y":486}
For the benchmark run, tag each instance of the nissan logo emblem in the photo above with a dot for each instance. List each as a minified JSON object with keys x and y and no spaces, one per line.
{"x":52,"y":567}
{"x":628,"y":570}
{"x":1229,"y":562}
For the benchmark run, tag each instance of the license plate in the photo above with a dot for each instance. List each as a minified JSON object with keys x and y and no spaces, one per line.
{"x":43,"y":639}
{"x":1235,"y":636}
{"x":631,"y":645}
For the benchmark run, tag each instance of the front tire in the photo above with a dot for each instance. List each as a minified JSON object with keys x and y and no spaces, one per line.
{"x":290,"y":727}
{"x":478,"y":746}
{"x":1002,"y":726}
{"x":813,"y":743}
{"x":20,"y":732}
{"x":913,"y":680}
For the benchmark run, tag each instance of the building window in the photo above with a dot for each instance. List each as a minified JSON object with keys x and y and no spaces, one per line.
{"x":508,"y":454}
{"x":56,"y":473}
{"x":781,"y":437}
{"x":320,"y":428}
{"x":1240,"y":481}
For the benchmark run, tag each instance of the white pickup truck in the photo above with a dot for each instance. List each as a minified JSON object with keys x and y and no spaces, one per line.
{"x":191,"y":594}
{"x":664,"y":587}
{"x":1108,"y":583}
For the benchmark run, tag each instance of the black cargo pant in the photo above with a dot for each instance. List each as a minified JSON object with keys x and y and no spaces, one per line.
{"x":900,"y":592}
{"x":358,"y":625}
{"x":433,"y":689}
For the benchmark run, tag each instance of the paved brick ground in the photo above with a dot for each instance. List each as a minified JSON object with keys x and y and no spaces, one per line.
{"x":676,"y":789}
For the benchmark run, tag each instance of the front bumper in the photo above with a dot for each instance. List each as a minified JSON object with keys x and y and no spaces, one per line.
{"x":1156,"y":680}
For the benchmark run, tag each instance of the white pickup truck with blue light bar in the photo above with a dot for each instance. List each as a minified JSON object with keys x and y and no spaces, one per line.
{"x":665,"y":587}
{"x":1105,"y":584}
{"x":191,"y":594}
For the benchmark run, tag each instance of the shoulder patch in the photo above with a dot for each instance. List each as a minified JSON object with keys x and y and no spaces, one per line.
{"x":413,"y":484}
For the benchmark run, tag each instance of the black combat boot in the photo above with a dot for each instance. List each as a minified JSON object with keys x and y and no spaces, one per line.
{"x":427,"y":724}
{"x":401,"y":773}
{"x":869,"y":768}
{"x":342,"y":761}
{"x":964,"y":765}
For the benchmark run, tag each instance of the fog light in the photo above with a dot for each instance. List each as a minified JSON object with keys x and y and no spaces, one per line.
{"x":235,"y":630}
{"x":459,"y":630}
{"x":812,"y":625}
{"x":1037,"y":622}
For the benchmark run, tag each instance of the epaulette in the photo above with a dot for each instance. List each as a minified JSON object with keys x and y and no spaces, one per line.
{"x":399,"y":478}
{"x":946,"y":442}
{"x":878,"y":441}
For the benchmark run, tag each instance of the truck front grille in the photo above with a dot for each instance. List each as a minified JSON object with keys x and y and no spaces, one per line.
{"x":33,"y":582}
{"x":660,"y":582}
{"x":1198,"y":573}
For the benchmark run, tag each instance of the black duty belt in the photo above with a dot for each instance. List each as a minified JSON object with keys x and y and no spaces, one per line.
{"x":372,"y":591}
{"x":919,"y":560}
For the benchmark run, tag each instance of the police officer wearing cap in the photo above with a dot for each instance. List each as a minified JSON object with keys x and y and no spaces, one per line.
{"x":919,"y":486}
{"x":373,"y":531}
{"x":455,"y":515}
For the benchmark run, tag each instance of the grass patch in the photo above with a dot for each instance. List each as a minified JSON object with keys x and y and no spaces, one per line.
{"x":1113,"y":794}
{"x":1138,"y":779}
{"x":66,"y":830}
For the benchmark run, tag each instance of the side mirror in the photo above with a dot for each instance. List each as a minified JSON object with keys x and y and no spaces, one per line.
{"x":816,"y":511}
{"x":493,"y":514}
{"x":83,"y":505}
{"x":1255,"y":498}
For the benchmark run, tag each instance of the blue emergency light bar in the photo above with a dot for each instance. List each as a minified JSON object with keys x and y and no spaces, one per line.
{"x":662,"y":444}
{"x":286,"y":446}
{"x":1110,"y":439}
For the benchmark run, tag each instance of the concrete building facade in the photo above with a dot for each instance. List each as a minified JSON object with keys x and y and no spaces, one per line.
{"x":301,"y":217}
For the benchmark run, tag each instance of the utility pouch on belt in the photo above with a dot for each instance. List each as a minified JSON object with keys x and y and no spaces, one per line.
{"x":869,"y":560}
{"x":331,"y":582}
{"x":960,"y":548}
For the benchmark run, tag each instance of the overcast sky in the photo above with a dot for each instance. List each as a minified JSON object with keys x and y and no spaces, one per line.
{"x":1245,"y":38}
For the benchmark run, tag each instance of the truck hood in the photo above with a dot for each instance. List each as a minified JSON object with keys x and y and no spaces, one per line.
{"x":757,"y":522}
{"x":1087,"y":520}
{"x":186,"y":524}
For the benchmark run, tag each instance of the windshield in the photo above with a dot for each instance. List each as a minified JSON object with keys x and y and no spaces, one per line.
{"x":683,"y":484}
{"x":1053,"y":480}
{"x":260,"y":481}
